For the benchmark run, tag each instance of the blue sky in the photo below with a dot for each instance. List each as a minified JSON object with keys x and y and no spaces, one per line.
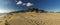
{"x":11,"y":5}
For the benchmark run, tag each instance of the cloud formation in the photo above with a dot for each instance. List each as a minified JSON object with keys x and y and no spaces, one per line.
{"x":29,"y":4}
{"x":20,"y":2}
{"x":25,"y":4}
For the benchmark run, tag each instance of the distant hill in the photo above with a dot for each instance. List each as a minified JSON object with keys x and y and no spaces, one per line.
{"x":31,"y":10}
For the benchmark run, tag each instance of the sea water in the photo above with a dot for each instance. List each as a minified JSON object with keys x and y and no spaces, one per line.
{"x":2,"y":14}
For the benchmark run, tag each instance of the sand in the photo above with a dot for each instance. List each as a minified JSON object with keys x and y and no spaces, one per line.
{"x":32,"y":18}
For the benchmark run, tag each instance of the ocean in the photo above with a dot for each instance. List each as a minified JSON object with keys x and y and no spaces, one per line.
{"x":2,"y":14}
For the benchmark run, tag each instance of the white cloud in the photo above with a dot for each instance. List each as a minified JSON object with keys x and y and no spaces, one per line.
{"x":29,"y":4}
{"x":20,"y":2}
{"x":26,"y":4}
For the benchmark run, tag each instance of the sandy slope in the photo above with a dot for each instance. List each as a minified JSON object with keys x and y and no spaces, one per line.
{"x":31,"y":18}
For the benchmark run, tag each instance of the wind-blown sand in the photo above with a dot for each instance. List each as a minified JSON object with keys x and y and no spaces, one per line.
{"x":32,"y":18}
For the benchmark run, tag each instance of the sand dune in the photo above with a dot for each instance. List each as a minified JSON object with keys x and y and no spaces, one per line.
{"x":32,"y":18}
